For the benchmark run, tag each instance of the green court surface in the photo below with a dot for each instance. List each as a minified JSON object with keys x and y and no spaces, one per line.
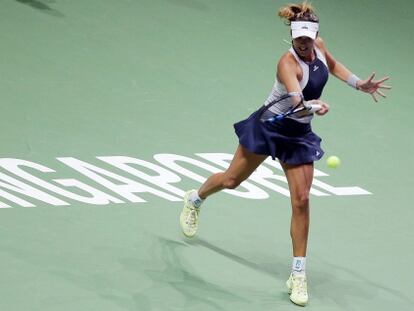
{"x":111,"y":109}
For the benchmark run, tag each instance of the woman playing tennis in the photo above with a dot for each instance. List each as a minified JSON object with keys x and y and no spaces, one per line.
{"x":302,"y":73}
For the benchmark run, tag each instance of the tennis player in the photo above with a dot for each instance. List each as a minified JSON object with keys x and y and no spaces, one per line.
{"x":302,"y":72}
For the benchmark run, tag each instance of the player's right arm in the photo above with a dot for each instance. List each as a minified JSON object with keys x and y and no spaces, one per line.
{"x":289,"y":73}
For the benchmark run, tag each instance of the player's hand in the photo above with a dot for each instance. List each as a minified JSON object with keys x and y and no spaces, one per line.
{"x":324,"y":110}
{"x":373,"y":87}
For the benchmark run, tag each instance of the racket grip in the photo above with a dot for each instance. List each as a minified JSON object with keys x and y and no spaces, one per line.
{"x":314,"y":108}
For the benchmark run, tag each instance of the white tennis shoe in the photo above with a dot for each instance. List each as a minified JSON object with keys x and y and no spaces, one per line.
{"x":298,"y":289}
{"x":189,"y":217}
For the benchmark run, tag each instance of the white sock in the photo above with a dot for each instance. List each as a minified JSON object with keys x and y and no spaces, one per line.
{"x":194,"y":199}
{"x":299,"y":265}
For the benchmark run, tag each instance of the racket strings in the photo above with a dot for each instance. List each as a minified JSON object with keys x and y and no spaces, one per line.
{"x":274,"y":113}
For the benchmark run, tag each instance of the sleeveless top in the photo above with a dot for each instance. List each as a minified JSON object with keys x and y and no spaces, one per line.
{"x":315,"y":75}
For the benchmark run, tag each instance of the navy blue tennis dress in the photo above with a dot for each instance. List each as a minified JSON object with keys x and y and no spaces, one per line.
{"x":291,"y":139}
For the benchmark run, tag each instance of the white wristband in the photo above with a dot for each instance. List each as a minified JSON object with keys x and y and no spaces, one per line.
{"x":352,"y":81}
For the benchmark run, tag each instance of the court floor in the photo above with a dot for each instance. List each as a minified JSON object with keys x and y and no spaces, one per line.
{"x":111,"y":110}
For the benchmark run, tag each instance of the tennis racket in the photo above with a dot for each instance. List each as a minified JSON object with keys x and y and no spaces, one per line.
{"x":268,"y":116}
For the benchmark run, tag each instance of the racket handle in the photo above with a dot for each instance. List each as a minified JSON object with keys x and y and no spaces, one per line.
{"x":314,"y":107}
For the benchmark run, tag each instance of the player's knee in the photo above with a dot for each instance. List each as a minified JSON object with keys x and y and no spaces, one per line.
{"x":231,"y":182}
{"x":300,"y":202}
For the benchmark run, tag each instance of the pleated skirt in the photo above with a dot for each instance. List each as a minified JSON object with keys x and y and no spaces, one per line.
{"x":288,"y":140}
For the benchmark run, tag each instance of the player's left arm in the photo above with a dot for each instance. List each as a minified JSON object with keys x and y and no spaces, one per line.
{"x":336,"y":68}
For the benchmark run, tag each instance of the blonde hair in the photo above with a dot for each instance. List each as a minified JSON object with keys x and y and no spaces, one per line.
{"x":298,"y":12}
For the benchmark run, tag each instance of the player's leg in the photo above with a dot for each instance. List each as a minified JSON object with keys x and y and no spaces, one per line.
{"x":300,"y":181}
{"x":241,"y":167}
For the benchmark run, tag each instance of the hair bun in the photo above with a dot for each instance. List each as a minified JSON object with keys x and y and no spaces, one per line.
{"x":298,"y":12}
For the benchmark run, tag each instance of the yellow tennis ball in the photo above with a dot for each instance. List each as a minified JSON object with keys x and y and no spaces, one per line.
{"x":333,"y":161}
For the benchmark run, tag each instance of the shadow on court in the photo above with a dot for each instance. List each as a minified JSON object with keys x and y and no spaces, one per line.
{"x":193,"y":287}
{"x":262,"y":268}
{"x":326,"y":285}
{"x":178,"y":274}
{"x":42,"y":6}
